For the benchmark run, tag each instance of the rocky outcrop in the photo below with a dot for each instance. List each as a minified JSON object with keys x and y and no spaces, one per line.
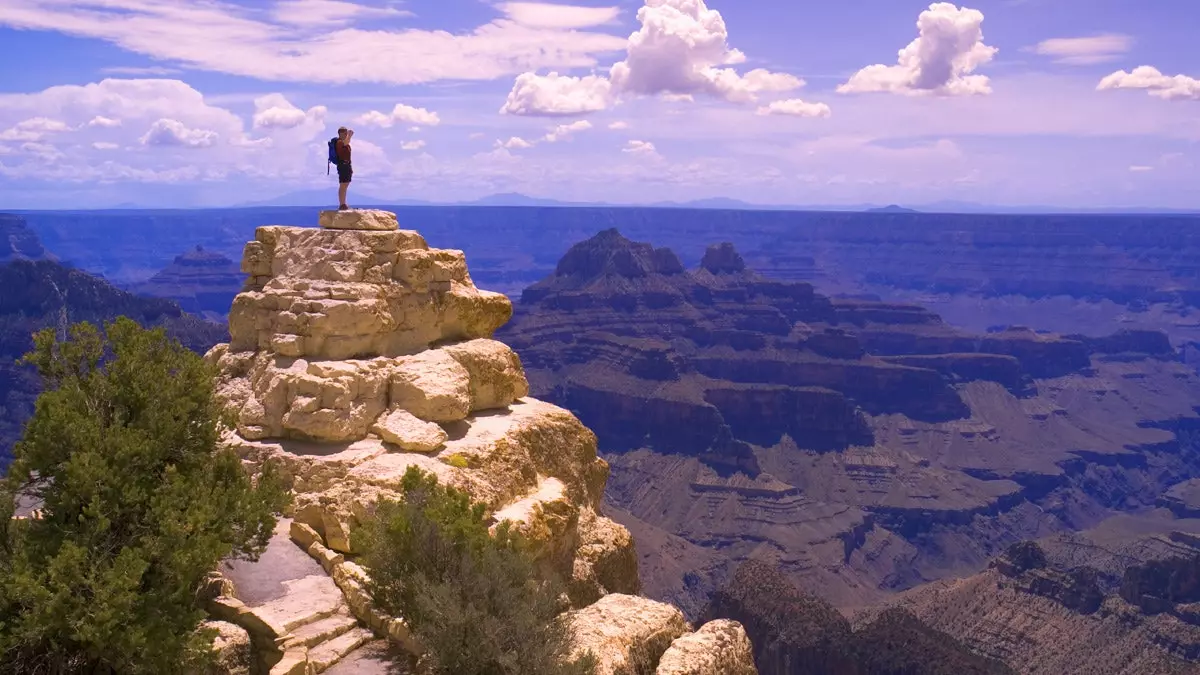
{"x":201,"y":281}
{"x":18,"y":242}
{"x":1183,"y":499}
{"x":720,"y":647}
{"x":359,"y":353}
{"x":794,"y":633}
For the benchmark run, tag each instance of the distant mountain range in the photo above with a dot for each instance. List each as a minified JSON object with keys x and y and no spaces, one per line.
{"x":327,"y":198}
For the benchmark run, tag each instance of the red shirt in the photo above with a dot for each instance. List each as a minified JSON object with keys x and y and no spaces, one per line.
{"x":343,"y":151}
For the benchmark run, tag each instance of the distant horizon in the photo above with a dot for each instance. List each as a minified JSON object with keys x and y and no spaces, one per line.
{"x":519,"y":200}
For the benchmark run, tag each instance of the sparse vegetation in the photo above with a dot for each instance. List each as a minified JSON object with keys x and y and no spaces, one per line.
{"x":139,"y":503}
{"x":472,"y":599}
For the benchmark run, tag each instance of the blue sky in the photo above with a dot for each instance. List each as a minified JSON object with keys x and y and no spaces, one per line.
{"x":214,"y":102}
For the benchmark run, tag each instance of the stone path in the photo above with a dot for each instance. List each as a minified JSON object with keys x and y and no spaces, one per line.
{"x":288,"y":590}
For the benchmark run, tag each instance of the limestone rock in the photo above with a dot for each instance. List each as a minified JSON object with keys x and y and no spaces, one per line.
{"x":402,"y":428}
{"x":232,"y":648}
{"x":303,"y":535}
{"x":358,"y":219}
{"x":339,"y":294}
{"x":625,"y":633}
{"x":720,"y":647}
{"x":431,"y":385}
{"x":496,"y":376}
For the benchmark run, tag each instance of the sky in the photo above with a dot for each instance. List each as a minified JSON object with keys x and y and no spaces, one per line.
{"x":190,"y":103}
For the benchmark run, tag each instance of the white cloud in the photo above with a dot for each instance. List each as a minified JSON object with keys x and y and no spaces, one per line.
{"x":547,"y":15}
{"x":173,"y":132}
{"x":414,"y":129}
{"x":43,"y":151}
{"x":564,"y":131}
{"x":274,"y":111}
{"x":514,"y":143}
{"x":311,"y":41}
{"x":1083,"y":51}
{"x":556,"y":95}
{"x":475,"y":135}
{"x":139,"y":70}
{"x":401,"y":114}
{"x":1179,"y":87}
{"x":619,"y":124}
{"x":795,"y":107}
{"x":101,"y":145}
{"x":412,"y":145}
{"x":33,"y":129}
{"x":681,"y":49}
{"x":1140,"y":168}
{"x":316,"y":13}
{"x":635,"y":147}
{"x":101,"y":121}
{"x":940,"y":60}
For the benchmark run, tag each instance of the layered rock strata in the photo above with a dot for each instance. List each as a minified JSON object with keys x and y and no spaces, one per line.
{"x":357,"y":352}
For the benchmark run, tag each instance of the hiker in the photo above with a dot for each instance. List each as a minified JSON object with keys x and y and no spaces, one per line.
{"x":339,"y":156}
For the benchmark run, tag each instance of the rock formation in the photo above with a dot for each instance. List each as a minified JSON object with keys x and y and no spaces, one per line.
{"x":869,"y":445}
{"x":356,"y":352}
{"x":201,"y":281}
{"x":18,"y":242}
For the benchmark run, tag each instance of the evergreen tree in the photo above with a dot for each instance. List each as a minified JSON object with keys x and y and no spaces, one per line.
{"x":138,"y":503}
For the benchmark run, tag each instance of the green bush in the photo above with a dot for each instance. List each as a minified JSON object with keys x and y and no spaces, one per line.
{"x":139,"y":504}
{"x":473,"y":600}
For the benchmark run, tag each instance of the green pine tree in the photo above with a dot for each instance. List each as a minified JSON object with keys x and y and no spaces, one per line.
{"x":139,"y":503}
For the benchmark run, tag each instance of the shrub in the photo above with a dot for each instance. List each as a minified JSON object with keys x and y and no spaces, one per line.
{"x":139,"y":504}
{"x":473,"y":600}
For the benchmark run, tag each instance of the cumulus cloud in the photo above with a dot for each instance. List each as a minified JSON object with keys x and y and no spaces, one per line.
{"x":1171,"y":88}
{"x":401,"y":114}
{"x":1084,"y":51}
{"x":564,"y":131}
{"x":547,"y":15}
{"x":324,"y":41}
{"x":274,"y":111}
{"x":941,"y":60}
{"x":680,"y":50}
{"x":102,"y":145}
{"x":101,"y":121}
{"x":412,"y":145}
{"x":557,"y":95}
{"x":514,"y":143}
{"x":33,"y":129}
{"x":795,"y":107}
{"x":139,"y":70}
{"x":645,"y":148}
{"x":168,"y":132}
{"x":619,"y":124}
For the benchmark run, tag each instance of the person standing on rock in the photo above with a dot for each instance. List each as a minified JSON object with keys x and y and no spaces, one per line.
{"x":341,"y":153}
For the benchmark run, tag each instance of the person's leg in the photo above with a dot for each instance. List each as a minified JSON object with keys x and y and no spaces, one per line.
{"x":342,"y":194}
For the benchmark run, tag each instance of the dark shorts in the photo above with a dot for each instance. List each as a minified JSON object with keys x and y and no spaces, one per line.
{"x":345,"y":172}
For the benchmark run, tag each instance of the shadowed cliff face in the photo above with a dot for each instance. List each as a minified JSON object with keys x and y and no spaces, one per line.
{"x":18,"y":242}
{"x":201,"y":281}
{"x":794,"y":633}
{"x":866,"y":446}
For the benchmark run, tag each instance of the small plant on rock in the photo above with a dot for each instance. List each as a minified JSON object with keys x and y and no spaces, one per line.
{"x":473,"y":599}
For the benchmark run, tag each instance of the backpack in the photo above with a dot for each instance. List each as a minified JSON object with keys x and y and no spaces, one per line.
{"x":333,"y":156}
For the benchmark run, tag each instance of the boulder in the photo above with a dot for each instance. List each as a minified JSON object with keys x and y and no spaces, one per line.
{"x":401,"y":428}
{"x":231,"y":647}
{"x":358,"y":219}
{"x":496,"y":376}
{"x":627,"y":634}
{"x":720,"y":647}
{"x":431,"y":385}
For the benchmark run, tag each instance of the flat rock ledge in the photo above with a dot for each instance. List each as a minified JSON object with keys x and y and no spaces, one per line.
{"x":359,"y":219}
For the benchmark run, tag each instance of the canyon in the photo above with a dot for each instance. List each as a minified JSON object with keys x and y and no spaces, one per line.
{"x":877,"y":405}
